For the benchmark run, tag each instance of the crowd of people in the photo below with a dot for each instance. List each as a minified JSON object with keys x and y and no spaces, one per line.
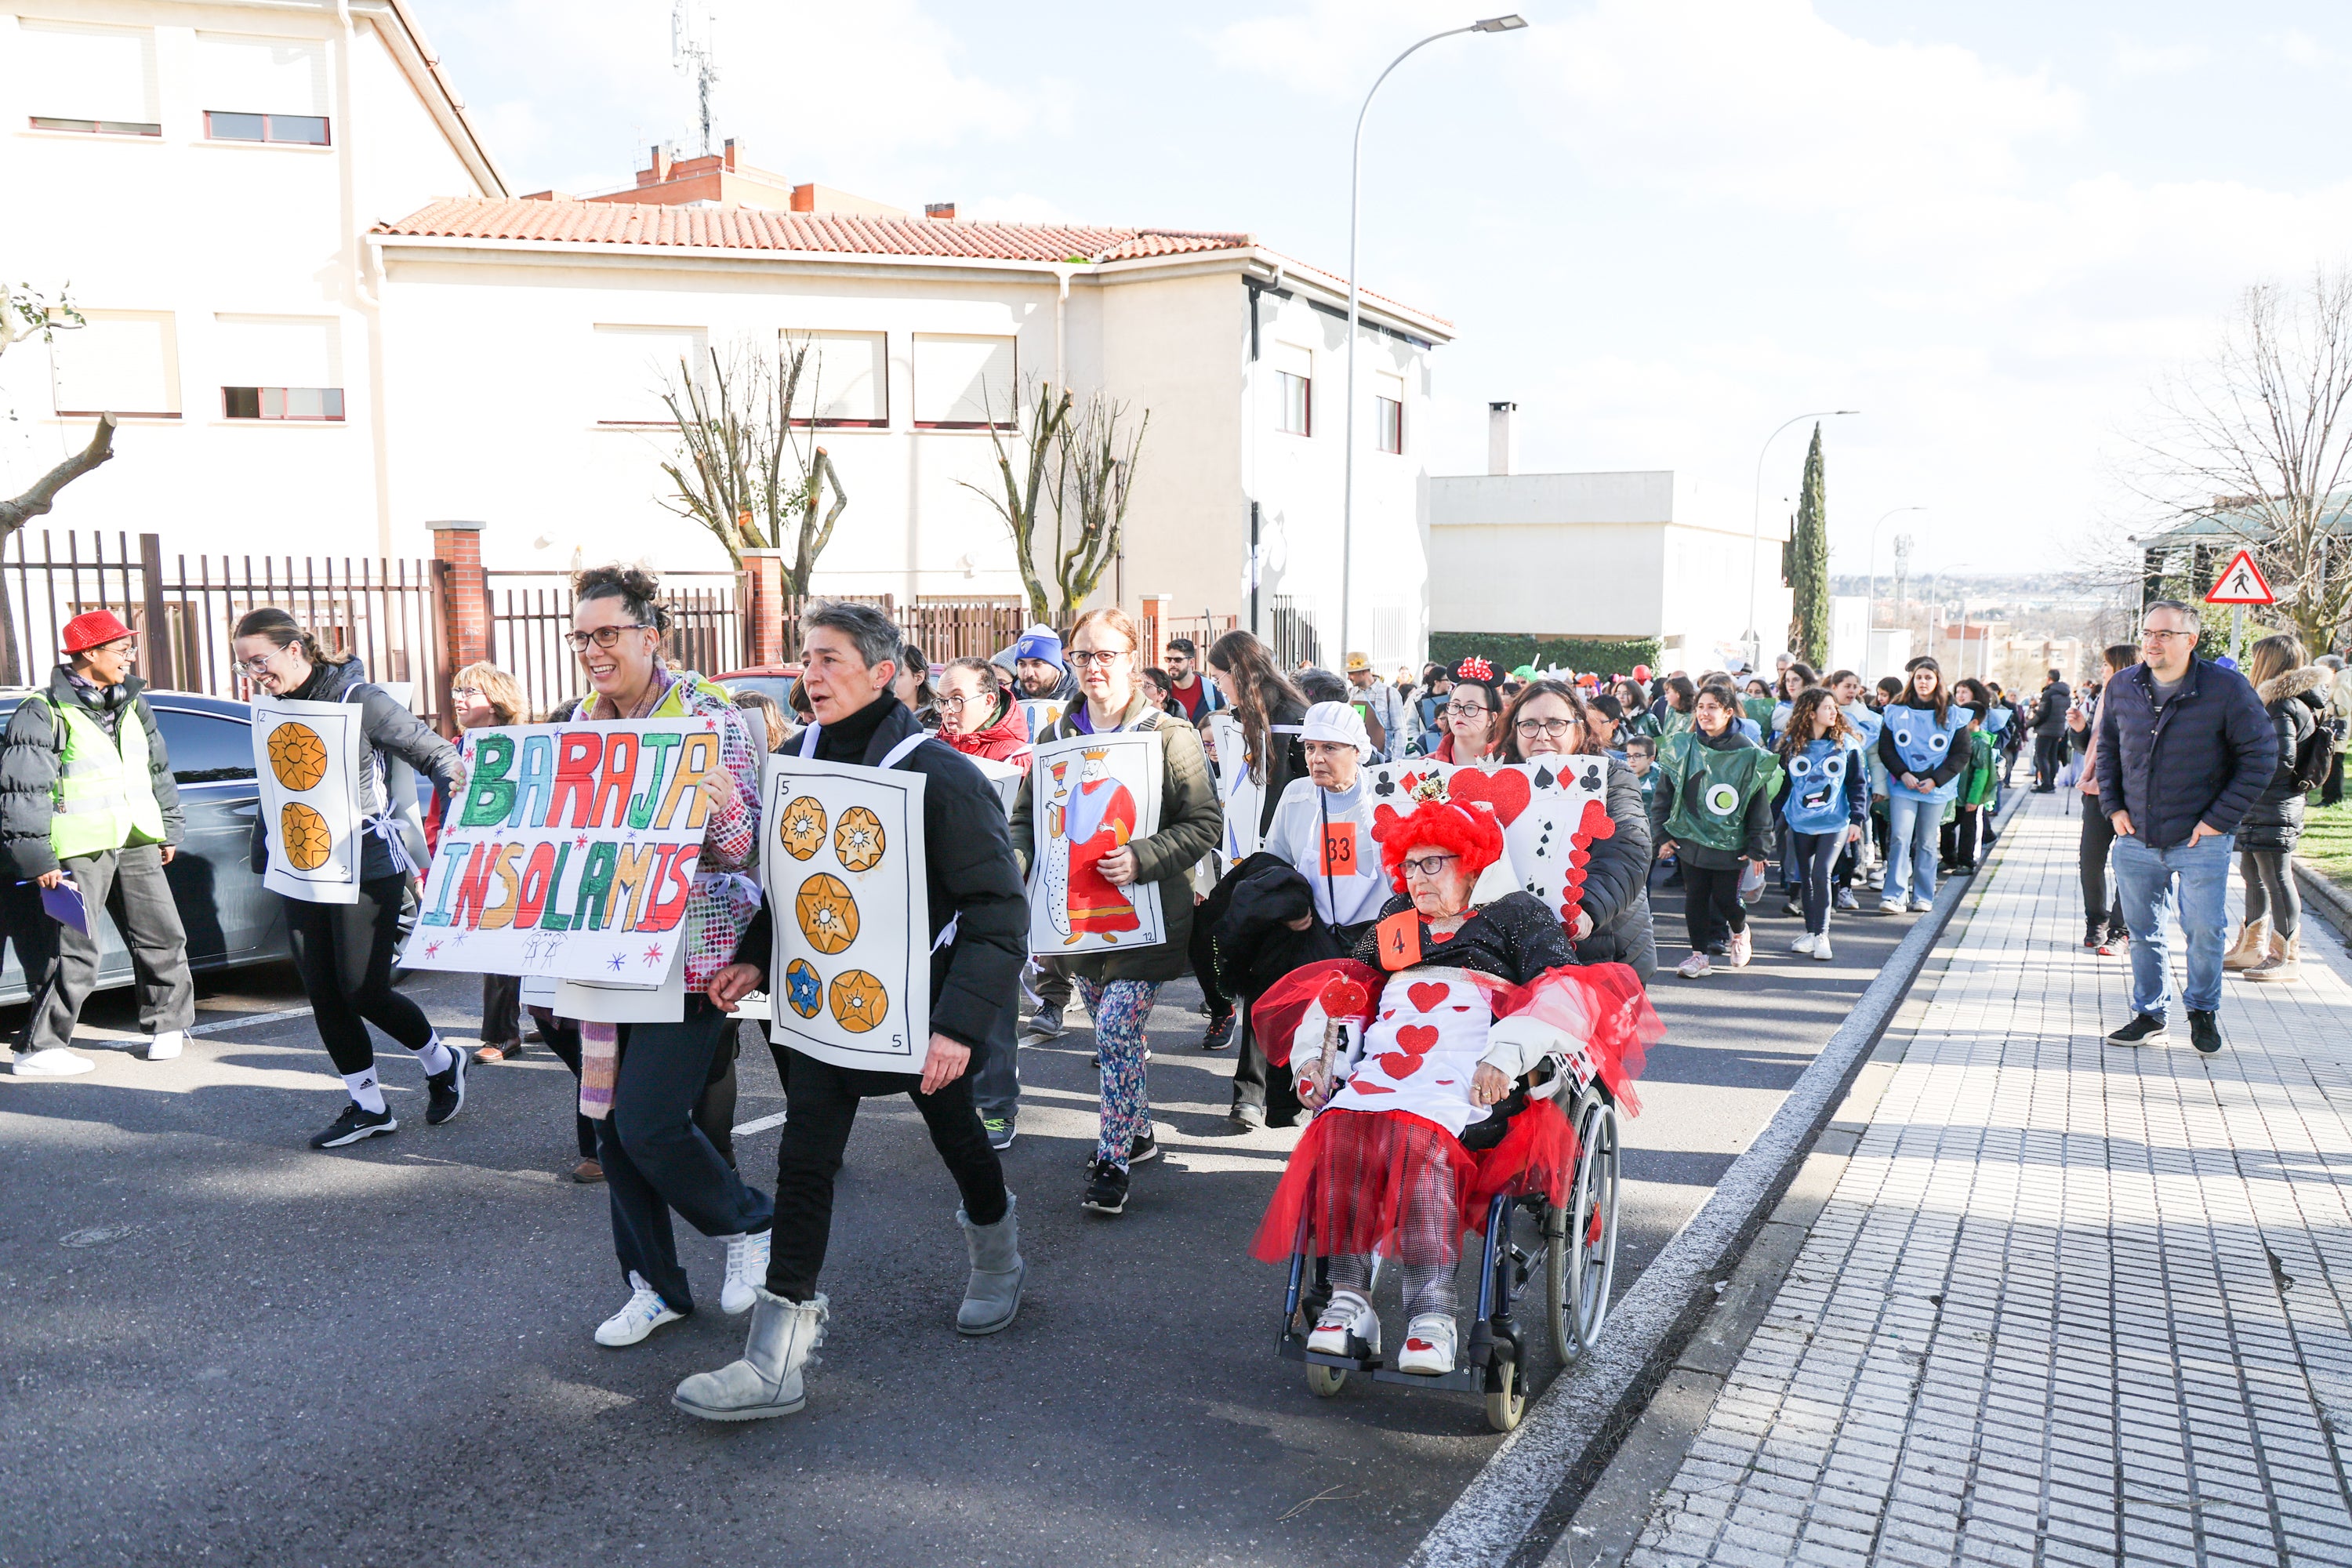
{"x":1734,"y":788}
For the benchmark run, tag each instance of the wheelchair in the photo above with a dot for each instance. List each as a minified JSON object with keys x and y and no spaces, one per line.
{"x":1573,"y":1249}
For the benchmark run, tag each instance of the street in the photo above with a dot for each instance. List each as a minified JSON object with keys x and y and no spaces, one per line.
{"x":222,"y":1344}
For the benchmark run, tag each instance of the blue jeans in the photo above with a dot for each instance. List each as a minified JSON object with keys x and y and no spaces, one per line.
{"x":2143,"y":885}
{"x":1911,"y":837}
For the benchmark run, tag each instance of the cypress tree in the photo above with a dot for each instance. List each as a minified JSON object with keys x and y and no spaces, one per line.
{"x":1808,"y":565}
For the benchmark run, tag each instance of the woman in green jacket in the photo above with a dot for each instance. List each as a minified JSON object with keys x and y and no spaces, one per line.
{"x":1119,"y":985}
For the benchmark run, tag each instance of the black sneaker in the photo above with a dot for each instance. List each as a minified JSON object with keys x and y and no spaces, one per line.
{"x":1220,"y":1032}
{"x":1794,"y":904}
{"x":446,"y":1089}
{"x":1000,"y":1131}
{"x":2148,"y":1030}
{"x":1106,"y":1188}
{"x":2205,"y":1031}
{"x":355,"y":1125}
{"x":1145,"y":1148}
{"x":1046,"y":1024}
{"x":2095,"y":934}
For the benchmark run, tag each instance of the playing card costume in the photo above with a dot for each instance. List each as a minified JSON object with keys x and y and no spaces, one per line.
{"x":1401,"y":1159}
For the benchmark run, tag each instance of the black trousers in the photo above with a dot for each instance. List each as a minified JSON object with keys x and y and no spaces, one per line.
{"x":1711,"y":908}
{"x":1259,"y":1082}
{"x":822,"y":1102}
{"x":2103,"y":897}
{"x":1815,"y":854}
{"x":1957,"y":839}
{"x":655,"y":1158}
{"x":62,"y":963}
{"x":2049,"y":756}
{"x":2333,"y":790}
{"x":501,"y":1009}
{"x":714,"y":1112}
{"x":343,"y":954}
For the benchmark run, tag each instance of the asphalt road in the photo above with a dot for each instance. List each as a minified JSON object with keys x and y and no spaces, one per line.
{"x":218,"y":1344}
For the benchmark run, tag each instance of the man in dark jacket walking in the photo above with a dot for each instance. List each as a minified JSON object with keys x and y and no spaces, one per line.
{"x":87,"y":800}
{"x":978,"y":932}
{"x":2050,"y":733}
{"x":2184,"y":750}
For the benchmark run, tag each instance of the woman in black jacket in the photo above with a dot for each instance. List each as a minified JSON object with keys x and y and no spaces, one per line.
{"x":1272,"y":710}
{"x":344,"y":951}
{"x":2266,"y":947}
{"x":1612,"y":924}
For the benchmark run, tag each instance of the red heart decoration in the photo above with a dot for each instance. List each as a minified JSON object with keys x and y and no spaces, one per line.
{"x":1418,"y":1039}
{"x":1427,"y":994}
{"x":1344,"y":998}
{"x":1397,"y":1065}
{"x":1506,"y":790}
{"x":1363,"y":1087}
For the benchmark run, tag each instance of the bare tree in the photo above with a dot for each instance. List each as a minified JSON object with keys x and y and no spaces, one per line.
{"x":746,"y":469}
{"x":26,"y":313}
{"x":2259,"y":436}
{"x":1025,"y":448}
{"x":1077,"y":461}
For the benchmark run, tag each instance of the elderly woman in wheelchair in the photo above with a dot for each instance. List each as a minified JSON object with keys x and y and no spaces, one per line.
{"x":1435,"y":1059}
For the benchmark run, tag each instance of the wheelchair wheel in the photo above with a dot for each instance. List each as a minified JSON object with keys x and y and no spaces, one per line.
{"x":1591,"y":1254}
{"x":1556,"y":1228}
{"x":1323,"y":1381}
{"x":1506,"y":1403}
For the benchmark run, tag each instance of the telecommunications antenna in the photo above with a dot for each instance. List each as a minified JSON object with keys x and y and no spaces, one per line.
{"x":688,"y":54}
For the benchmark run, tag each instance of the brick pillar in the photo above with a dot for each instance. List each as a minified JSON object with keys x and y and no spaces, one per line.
{"x":763,"y":615}
{"x":458,"y":546}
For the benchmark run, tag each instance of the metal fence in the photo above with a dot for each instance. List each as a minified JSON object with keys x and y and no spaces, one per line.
{"x":531,"y":614}
{"x":390,"y":613}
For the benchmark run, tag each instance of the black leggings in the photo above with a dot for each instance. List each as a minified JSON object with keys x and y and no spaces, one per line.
{"x":2270,"y":890}
{"x":1711,"y":908}
{"x":2103,"y":896}
{"x":344,"y":953}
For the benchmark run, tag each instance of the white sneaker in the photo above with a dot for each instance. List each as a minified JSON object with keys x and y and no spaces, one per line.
{"x":55,"y":1062}
{"x":1920,"y":905}
{"x":1890,"y":906}
{"x":646,"y":1313}
{"x":746,"y":1266}
{"x":1349,"y":1313}
{"x":166,"y":1043}
{"x":1429,"y":1344}
{"x":1697,"y":966}
{"x":1803,"y":943}
{"x":1743,"y":947}
{"x":1821,"y":949}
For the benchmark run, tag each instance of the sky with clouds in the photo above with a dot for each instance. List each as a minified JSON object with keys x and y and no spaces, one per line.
{"x":1663,"y":227}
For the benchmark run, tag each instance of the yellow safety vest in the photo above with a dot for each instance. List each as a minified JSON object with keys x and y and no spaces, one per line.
{"x":106,"y":796}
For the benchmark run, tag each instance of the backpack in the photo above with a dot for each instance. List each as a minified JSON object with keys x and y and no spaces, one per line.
{"x":2315,"y":758}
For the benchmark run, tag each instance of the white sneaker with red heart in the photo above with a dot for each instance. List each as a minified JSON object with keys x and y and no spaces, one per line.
{"x":1347,"y":1315}
{"x":1429,"y":1344}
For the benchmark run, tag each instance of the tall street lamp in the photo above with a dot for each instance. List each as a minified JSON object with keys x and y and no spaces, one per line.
{"x":1754,"y":640}
{"x":1511,"y":24}
{"x":1874,"y":559}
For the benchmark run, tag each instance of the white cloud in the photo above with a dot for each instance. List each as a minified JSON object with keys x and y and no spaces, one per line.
{"x":2134,"y":58}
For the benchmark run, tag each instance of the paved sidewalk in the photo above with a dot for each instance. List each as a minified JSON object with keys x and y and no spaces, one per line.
{"x":2070,"y":1303}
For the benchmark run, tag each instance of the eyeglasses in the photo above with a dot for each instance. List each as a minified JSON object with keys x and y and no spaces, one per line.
{"x":1428,"y":865}
{"x":602,"y":637}
{"x":260,"y":666}
{"x":2153,"y":634}
{"x":465,"y":691}
{"x":1467,"y":708}
{"x":1098,"y":657}
{"x":958,"y":704}
{"x":1550,"y":729}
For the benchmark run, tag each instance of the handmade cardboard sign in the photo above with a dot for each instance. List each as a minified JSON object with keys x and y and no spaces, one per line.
{"x":308,"y":758}
{"x":1551,"y":810}
{"x":571,"y":853}
{"x":1242,"y":797}
{"x":850,"y":976}
{"x":1093,"y":795}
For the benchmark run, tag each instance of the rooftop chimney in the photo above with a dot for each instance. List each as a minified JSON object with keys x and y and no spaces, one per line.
{"x":1502,"y":438}
{"x":728,"y":157}
{"x":942,"y":210}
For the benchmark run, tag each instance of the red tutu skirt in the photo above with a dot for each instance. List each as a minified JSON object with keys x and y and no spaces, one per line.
{"x":1392,"y":1182}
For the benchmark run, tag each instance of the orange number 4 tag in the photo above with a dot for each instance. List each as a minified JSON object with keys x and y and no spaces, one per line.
{"x":1401,"y":940}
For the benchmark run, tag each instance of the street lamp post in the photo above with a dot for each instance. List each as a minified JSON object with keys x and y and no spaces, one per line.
{"x":1874,"y":559}
{"x":1754,"y":639}
{"x":1511,"y":24}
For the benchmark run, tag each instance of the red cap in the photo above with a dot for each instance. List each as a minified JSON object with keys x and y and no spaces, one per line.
{"x":91,"y":628}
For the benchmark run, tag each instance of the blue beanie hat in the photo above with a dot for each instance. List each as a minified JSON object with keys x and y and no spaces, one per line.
{"x":1041,"y":642}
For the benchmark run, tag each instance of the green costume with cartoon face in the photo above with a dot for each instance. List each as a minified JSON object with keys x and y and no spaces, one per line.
{"x":1712,"y":789}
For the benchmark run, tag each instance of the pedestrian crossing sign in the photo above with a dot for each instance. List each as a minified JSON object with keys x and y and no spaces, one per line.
{"x":2241,"y":583}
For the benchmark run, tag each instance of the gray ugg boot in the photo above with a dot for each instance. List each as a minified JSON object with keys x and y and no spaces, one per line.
{"x":992,"y":1295}
{"x":767,"y":1381}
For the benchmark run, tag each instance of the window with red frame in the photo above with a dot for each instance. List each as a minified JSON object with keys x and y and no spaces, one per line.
{"x":295,"y":130}
{"x":310,"y":404}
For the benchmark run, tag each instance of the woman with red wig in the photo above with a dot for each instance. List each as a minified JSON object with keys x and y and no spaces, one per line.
{"x":1413,"y":1052}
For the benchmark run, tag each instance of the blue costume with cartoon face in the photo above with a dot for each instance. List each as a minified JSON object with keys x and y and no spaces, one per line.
{"x":1818,"y":778}
{"x":1923,"y":745}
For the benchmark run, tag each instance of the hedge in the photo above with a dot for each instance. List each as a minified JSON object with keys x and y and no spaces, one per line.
{"x":1508,"y":652}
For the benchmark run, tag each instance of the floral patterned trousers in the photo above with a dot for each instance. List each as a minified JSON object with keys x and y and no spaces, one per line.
{"x":1120,"y":1008}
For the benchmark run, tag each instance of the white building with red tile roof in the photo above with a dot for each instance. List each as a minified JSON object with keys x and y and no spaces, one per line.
{"x":331,"y":323}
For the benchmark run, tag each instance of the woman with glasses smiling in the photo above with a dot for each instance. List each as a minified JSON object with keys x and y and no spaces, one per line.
{"x":343,"y":952}
{"x":1472,"y":716}
{"x":1546,"y":720}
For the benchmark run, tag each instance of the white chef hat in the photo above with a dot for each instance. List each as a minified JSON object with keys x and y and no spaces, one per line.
{"x":1338,"y":721}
